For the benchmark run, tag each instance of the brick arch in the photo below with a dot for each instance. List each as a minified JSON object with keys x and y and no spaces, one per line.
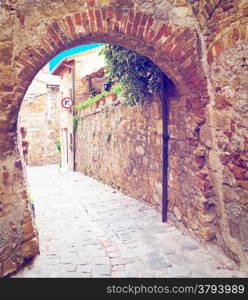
{"x":172,"y":48}
{"x":175,"y":49}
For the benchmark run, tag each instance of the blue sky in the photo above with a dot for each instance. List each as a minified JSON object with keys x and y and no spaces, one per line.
{"x":53,"y":62}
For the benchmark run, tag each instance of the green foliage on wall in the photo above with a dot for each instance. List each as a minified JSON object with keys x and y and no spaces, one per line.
{"x":58,"y":144}
{"x":92,"y":100}
{"x":116,"y":89}
{"x":135,"y":72}
{"x":75,"y":122}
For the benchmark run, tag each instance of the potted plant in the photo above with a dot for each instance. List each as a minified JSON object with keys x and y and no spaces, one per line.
{"x":110,"y":98}
{"x":102,"y":101}
{"x":115,"y":90}
{"x":107,"y":86}
{"x":96,"y":104}
{"x":24,"y":143}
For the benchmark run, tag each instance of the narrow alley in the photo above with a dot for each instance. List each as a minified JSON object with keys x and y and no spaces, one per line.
{"x":88,"y":229}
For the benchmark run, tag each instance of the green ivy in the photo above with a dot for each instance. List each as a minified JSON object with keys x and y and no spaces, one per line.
{"x":58,"y":144}
{"x":75,"y":122}
{"x":136,"y":73}
{"x":92,"y":100}
{"x":116,"y":89}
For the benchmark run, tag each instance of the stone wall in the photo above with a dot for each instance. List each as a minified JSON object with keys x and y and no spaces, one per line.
{"x":190,"y":183}
{"x":227,"y":126}
{"x":122,"y":146}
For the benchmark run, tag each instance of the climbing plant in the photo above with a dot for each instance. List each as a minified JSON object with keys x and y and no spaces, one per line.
{"x":137,"y":75}
{"x":92,"y":100}
{"x":75,"y":121}
{"x":58,"y":144}
{"x":116,"y":89}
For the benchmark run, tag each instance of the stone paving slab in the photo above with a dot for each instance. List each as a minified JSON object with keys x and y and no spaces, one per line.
{"x":88,"y":229}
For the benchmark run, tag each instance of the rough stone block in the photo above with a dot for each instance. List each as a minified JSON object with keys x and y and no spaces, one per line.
{"x":243,"y":184}
{"x":30,"y":248}
{"x":28,"y":227}
{"x":8,"y":267}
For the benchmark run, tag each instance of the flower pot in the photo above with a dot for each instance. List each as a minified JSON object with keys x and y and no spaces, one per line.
{"x":110,"y":98}
{"x":96,"y":105}
{"x":102,"y":102}
{"x":87,"y":110}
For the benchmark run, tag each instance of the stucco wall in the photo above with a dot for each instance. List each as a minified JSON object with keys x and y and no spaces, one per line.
{"x":40,"y":119}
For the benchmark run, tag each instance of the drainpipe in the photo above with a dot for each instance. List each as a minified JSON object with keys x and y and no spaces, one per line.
{"x":165,"y":116}
{"x":73,"y":114}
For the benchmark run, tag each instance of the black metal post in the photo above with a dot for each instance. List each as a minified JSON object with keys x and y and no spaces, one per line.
{"x":165,"y":116}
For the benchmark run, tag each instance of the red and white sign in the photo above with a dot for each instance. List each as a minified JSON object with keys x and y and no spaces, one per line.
{"x":66,"y":102}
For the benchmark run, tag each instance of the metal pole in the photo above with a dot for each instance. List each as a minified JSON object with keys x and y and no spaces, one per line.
{"x":73,"y":114}
{"x":165,"y":116}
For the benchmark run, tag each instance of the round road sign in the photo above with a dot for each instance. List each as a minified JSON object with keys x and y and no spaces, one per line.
{"x":66,"y":102}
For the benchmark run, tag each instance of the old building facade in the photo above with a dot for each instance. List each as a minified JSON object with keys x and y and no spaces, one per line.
{"x":201,"y":46}
{"x":39,"y":119}
{"x":70,"y":71}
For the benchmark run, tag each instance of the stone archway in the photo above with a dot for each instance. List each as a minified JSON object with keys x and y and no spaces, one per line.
{"x":42,"y":31}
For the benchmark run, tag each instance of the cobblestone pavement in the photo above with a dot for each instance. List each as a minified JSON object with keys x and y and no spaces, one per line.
{"x":88,"y":229}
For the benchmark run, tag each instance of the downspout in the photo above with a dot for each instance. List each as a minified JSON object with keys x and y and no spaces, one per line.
{"x":73,"y":114}
{"x":165,"y":116}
